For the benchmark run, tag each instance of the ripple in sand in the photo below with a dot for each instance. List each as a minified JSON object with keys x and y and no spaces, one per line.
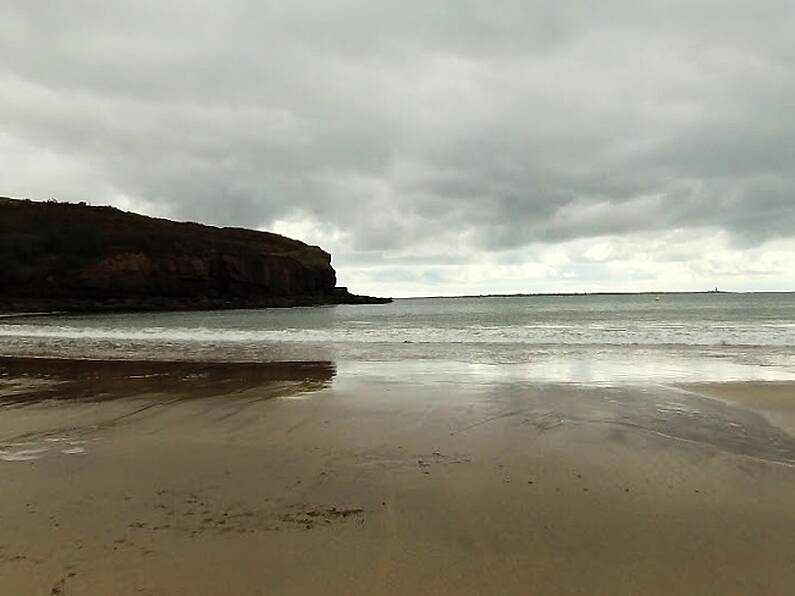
{"x":33,"y":450}
{"x":22,"y":454}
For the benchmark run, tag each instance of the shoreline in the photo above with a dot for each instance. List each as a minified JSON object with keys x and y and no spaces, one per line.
{"x":17,"y":306}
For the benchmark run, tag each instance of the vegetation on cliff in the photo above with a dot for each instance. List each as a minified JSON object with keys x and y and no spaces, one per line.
{"x":65,"y":256}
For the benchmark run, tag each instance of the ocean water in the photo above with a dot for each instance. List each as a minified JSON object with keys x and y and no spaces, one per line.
{"x":600,"y":339}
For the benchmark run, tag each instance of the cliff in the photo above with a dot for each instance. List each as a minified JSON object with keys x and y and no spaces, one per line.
{"x":64,"y":256}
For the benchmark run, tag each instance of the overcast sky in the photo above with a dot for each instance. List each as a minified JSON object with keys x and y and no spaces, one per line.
{"x":432,"y":147}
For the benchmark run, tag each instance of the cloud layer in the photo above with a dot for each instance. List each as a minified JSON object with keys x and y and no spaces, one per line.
{"x":433,"y":147}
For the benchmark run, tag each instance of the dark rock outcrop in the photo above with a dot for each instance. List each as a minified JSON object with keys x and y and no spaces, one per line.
{"x":65,"y":256}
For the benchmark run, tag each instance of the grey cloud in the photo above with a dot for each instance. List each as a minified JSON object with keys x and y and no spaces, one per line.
{"x":412,"y":123}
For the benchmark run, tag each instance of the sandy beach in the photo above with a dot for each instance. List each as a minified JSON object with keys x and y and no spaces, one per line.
{"x":165,"y":479}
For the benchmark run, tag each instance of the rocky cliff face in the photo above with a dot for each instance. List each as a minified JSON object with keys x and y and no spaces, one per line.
{"x":62,"y":256}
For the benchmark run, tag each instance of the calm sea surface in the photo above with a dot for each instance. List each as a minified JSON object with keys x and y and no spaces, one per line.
{"x":559,"y":339}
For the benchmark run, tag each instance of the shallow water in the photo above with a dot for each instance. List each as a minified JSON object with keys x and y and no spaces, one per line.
{"x":602,"y":339}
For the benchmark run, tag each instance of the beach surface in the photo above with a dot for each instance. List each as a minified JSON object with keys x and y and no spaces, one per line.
{"x":166,"y":479}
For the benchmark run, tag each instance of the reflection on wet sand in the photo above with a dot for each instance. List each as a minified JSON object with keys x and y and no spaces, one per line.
{"x":386,"y":487}
{"x":33,"y":380}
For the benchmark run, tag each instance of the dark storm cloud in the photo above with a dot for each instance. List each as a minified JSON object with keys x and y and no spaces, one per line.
{"x":410,"y":122}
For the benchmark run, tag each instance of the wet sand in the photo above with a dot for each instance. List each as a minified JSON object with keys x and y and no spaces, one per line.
{"x":288,"y":479}
{"x":775,"y":401}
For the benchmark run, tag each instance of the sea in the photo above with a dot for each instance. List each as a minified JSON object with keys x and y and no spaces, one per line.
{"x":596,"y":339}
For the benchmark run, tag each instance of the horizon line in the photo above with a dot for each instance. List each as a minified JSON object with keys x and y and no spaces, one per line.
{"x":599,"y":293}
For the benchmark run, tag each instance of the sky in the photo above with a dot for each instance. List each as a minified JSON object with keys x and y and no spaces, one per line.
{"x":434,"y":148}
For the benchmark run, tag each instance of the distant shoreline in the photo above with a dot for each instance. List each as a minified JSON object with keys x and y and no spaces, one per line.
{"x":572,"y":294}
{"x":7,"y":311}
